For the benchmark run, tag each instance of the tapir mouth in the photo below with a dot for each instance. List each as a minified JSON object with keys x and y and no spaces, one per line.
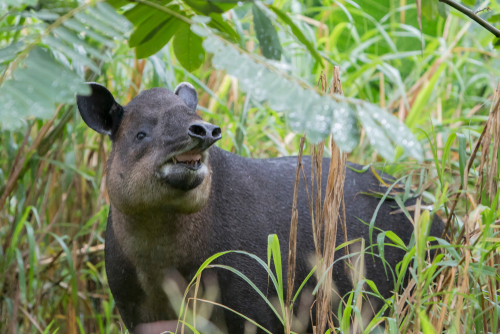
{"x":190,"y":159}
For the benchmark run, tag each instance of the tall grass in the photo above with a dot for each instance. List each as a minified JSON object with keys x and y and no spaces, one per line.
{"x":54,"y":203}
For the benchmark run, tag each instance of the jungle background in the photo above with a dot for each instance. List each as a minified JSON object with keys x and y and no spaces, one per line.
{"x":433,"y":69}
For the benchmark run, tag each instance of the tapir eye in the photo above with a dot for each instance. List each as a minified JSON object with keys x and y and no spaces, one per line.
{"x":140,"y":136}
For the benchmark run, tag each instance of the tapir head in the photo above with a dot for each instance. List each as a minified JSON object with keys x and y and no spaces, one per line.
{"x":159,"y":157}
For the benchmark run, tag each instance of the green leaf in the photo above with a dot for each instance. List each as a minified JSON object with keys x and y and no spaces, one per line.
{"x":462,"y":156}
{"x":423,"y":232}
{"x":152,"y":35}
{"x":117,"y":3}
{"x":97,"y":25}
{"x":422,"y":98}
{"x":380,"y":243}
{"x":376,"y":134}
{"x":443,"y":10}
{"x":494,"y":18}
{"x":218,"y":23}
{"x":188,"y":49}
{"x":113,"y":17}
{"x":209,"y":7}
{"x":430,"y":9}
{"x":77,"y":26}
{"x":393,"y":326}
{"x":469,"y":2}
{"x":21,"y":275}
{"x":298,"y":33}
{"x":142,"y":12}
{"x":446,"y":152}
{"x":72,"y":271}
{"x":266,"y":34}
{"x":397,"y":240}
{"x":425,"y":323}
{"x":246,"y":279}
{"x":146,"y":30}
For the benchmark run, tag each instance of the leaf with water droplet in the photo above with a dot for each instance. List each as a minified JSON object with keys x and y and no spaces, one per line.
{"x":266,"y":34}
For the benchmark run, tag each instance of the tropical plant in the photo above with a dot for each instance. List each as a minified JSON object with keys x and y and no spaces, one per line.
{"x":435,"y":72}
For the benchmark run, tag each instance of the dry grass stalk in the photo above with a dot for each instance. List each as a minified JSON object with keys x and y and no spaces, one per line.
{"x":327,"y":218}
{"x":292,"y":245}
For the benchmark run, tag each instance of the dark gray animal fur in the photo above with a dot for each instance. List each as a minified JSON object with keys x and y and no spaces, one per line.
{"x":166,"y":217}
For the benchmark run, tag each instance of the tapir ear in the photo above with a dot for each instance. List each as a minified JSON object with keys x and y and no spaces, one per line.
{"x":188,"y":94}
{"x":99,"y":110}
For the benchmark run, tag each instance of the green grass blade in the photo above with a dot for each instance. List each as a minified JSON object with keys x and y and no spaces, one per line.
{"x":246,"y":279}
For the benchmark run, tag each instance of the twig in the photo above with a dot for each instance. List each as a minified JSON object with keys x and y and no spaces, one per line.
{"x":473,"y":16}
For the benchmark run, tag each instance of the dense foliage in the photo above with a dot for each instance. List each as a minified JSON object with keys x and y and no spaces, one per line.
{"x":439,"y":84}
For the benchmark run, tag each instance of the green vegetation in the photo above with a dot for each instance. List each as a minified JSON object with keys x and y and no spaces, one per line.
{"x":440,"y":84}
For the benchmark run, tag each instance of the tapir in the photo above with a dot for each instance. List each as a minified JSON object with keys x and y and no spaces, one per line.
{"x":176,"y":199}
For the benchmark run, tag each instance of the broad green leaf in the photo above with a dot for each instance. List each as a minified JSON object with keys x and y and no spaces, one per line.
{"x":71,"y":38}
{"x":146,"y":30}
{"x":10,"y":51}
{"x":266,"y":34}
{"x":376,"y":135}
{"x":161,"y":38}
{"x":218,"y":23}
{"x":116,"y":4}
{"x":209,"y":7}
{"x":443,"y":10}
{"x":97,"y":24}
{"x":188,"y":49}
{"x":75,"y":56}
{"x":113,"y":17}
{"x":77,"y":26}
{"x":469,"y":2}
{"x":298,"y":33}
{"x":430,"y":9}
{"x":19,"y":3}
{"x":107,"y":15}
{"x":142,"y":12}
{"x":494,"y":18}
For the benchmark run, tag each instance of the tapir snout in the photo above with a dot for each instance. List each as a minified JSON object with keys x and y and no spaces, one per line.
{"x":207,"y":134}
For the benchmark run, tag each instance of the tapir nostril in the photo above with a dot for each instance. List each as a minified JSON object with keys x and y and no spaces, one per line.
{"x":216,"y":132}
{"x":197,"y":130}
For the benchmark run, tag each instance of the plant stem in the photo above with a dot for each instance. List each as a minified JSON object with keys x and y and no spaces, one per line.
{"x":473,"y":16}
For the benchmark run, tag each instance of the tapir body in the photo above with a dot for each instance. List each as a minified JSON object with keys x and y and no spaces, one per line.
{"x":176,"y":200}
